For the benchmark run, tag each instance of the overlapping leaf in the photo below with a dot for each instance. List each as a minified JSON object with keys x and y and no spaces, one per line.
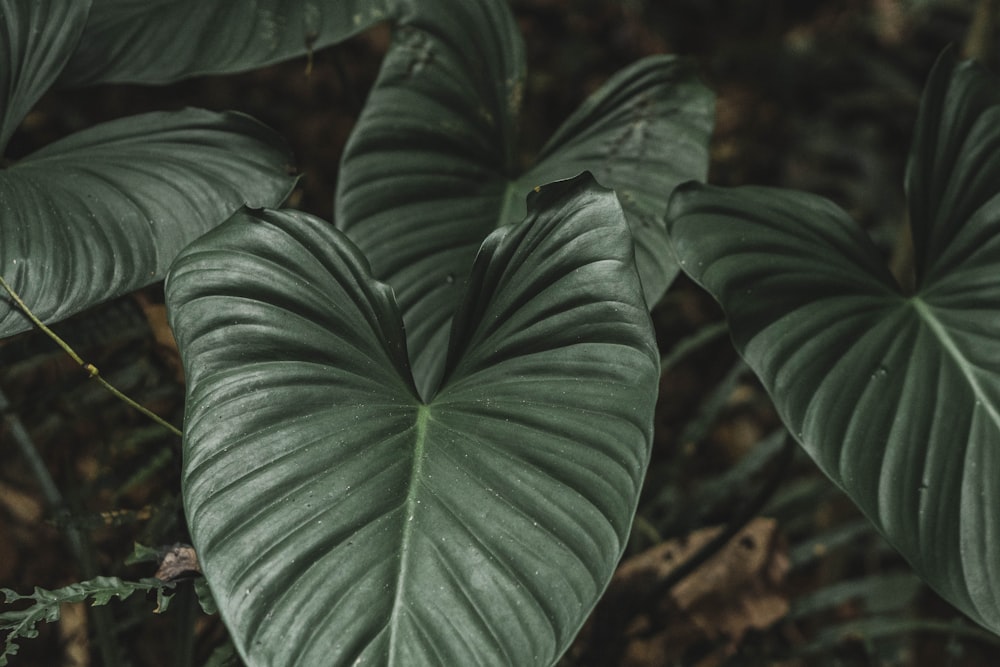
{"x":431,"y":168}
{"x":104,"y":211}
{"x":38,"y":37}
{"x":339,"y":518}
{"x":158,"y":41}
{"x":646,"y":130}
{"x":896,"y":396}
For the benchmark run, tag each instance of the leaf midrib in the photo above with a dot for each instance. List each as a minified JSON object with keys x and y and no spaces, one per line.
{"x":410,"y":505}
{"x":940,"y":331}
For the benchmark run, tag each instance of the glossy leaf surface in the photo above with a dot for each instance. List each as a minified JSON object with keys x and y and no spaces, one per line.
{"x":432,"y":166}
{"x":158,"y":41}
{"x":340,"y":519}
{"x":104,"y":211}
{"x":38,"y":37}
{"x":896,"y":396}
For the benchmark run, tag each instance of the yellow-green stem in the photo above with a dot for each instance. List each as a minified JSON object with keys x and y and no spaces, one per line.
{"x":90,"y":368}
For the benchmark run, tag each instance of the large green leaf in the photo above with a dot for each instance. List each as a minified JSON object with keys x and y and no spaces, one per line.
{"x":158,"y":41}
{"x":341,"y":520}
{"x":38,"y":37}
{"x":105,"y":211}
{"x":896,"y":396}
{"x":642,"y":133}
{"x":431,"y":167}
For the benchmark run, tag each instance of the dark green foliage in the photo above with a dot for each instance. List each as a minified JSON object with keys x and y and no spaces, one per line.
{"x":432,"y":166}
{"x":339,"y":517}
{"x":104,"y":211}
{"x":895,"y":395}
{"x":418,"y":435}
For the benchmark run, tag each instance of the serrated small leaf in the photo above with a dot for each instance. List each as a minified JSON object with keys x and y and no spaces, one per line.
{"x":23,"y":623}
{"x":163,"y":601}
{"x":142,"y":554}
{"x":338,"y":517}
{"x":205,"y":598}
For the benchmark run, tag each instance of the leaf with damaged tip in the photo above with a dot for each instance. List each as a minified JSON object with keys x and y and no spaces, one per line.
{"x":177,"y":561}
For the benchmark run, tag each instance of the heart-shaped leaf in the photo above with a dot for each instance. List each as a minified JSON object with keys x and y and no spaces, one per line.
{"x":431,"y":168}
{"x":158,"y":41}
{"x":38,"y":37}
{"x":341,"y":520}
{"x":896,"y":396}
{"x":104,"y":211}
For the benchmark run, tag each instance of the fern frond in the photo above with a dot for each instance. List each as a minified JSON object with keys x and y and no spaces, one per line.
{"x":23,"y":623}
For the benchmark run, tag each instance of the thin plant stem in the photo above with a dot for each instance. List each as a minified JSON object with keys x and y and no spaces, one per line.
{"x":688,"y":345}
{"x":91,"y":370}
{"x":79,"y":545}
{"x":346,"y":87}
{"x":184,"y":626}
{"x":980,"y":38}
{"x":50,"y":492}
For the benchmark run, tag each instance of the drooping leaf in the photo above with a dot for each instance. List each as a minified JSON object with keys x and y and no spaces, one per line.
{"x":38,"y":37}
{"x":104,"y":211}
{"x":338,"y":518}
{"x":431,"y":168}
{"x":159,"y":41}
{"x":895,"y":395}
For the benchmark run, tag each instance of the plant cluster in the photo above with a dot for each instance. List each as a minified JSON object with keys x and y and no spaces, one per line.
{"x":418,"y":435}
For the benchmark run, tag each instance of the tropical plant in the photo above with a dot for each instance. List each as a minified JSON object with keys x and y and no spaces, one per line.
{"x":104,"y":211}
{"x":893,"y":391}
{"x":528,"y":511}
{"x":418,"y":435}
{"x":339,"y":516}
{"x":551,"y":345}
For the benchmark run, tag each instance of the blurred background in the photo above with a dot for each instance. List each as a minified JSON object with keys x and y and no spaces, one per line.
{"x":817,"y":95}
